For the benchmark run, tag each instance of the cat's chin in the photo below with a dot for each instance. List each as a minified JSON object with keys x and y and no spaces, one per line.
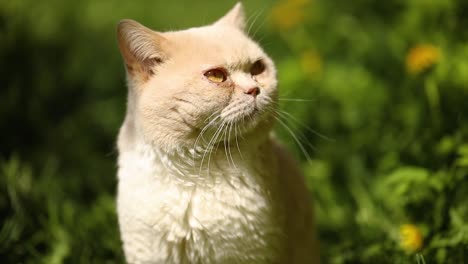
{"x":247,"y":128}
{"x":250,"y":125}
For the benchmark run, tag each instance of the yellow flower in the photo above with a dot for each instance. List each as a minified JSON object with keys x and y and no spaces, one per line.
{"x":311,"y":63}
{"x":421,"y":58}
{"x":411,"y":238}
{"x":287,"y":14}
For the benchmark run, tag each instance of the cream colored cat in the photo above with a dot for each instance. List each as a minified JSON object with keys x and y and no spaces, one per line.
{"x":201,"y":179}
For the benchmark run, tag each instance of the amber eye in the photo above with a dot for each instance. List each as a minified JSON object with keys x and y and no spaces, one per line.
{"x":257,"y":68}
{"x":216,"y":75}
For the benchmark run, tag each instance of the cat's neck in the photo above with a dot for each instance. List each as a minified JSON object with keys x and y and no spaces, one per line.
{"x":187,"y":164}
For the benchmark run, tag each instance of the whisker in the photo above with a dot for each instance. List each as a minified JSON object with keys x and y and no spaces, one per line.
{"x":215,"y":137}
{"x":298,"y":132}
{"x":284,"y":93}
{"x":293,"y":118}
{"x":287,"y":115}
{"x":214,"y":113}
{"x":261,"y":25}
{"x":281,"y":114}
{"x":231,"y":124}
{"x":237,"y":141}
{"x":226,"y":144}
{"x":208,"y":149}
{"x":261,"y":39}
{"x":247,"y":22}
{"x":295,"y":138}
{"x":256,"y":16}
{"x":295,"y":99}
{"x":200,"y":136}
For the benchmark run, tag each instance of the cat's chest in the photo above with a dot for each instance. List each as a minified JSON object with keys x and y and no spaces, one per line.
{"x":234,"y":199}
{"x":239,"y":207}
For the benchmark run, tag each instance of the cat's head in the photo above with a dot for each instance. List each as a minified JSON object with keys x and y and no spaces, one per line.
{"x":199,"y":80}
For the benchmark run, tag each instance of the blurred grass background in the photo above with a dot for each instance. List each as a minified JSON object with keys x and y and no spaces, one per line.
{"x":382,"y":111}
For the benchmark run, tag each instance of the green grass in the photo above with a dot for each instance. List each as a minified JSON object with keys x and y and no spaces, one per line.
{"x":394,"y":149}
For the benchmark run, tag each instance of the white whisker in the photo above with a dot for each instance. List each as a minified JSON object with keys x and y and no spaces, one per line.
{"x":256,"y":16}
{"x":295,"y":100}
{"x":259,"y":27}
{"x":300,"y":135}
{"x":231,"y":124}
{"x":286,"y":118}
{"x":237,"y":141}
{"x":226,"y":142}
{"x":293,"y":118}
{"x":208,"y":149}
{"x":215,"y":143}
{"x":200,"y":136}
{"x":295,"y":138}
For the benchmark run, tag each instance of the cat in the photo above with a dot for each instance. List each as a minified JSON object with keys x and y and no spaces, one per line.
{"x":201,"y":178}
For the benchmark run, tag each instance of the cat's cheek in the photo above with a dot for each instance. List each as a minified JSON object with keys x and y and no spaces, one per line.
{"x":218,"y":94}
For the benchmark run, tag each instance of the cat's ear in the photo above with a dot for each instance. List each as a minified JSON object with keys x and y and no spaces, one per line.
{"x":235,"y":17}
{"x":142,"y":48}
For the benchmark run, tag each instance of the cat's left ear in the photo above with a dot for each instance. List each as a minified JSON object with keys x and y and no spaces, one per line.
{"x":142,"y":48}
{"x":235,"y":17}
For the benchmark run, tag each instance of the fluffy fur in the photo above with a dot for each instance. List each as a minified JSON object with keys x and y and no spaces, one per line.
{"x":201,"y":180}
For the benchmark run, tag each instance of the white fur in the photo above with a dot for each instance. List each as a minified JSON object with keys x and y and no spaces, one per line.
{"x":226,"y":215}
{"x":230,"y":196}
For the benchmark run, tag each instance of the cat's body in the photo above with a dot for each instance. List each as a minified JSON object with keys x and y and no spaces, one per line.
{"x":201,"y":180}
{"x":255,"y":211}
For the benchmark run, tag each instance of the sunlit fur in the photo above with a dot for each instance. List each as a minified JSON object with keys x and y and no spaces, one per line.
{"x":201,"y":179}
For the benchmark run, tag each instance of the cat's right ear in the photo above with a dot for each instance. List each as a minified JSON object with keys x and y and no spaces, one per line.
{"x":142,"y":48}
{"x":234,"y":18}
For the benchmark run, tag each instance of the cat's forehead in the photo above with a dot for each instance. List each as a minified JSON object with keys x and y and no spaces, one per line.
{"x":217,"y":44}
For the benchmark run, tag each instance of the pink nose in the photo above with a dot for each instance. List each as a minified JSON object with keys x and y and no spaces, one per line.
{"x":254,"y":91}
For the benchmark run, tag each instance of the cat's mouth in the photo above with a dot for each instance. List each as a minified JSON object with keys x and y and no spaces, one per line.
{"x":233,"y":126}
{"x":240,"y":112}
{"x":246,"y":117}
{"x":235,"y":120}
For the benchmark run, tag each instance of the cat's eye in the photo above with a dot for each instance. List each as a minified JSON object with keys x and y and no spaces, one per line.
{"x":216,"y":75}
{"x":257,"y":68}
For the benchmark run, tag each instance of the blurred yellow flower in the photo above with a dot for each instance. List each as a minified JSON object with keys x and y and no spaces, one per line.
{"x":311,"y":63}
{"x":287,"y":14}
{"x":411,"y":239}
{"x":421,"y":57}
